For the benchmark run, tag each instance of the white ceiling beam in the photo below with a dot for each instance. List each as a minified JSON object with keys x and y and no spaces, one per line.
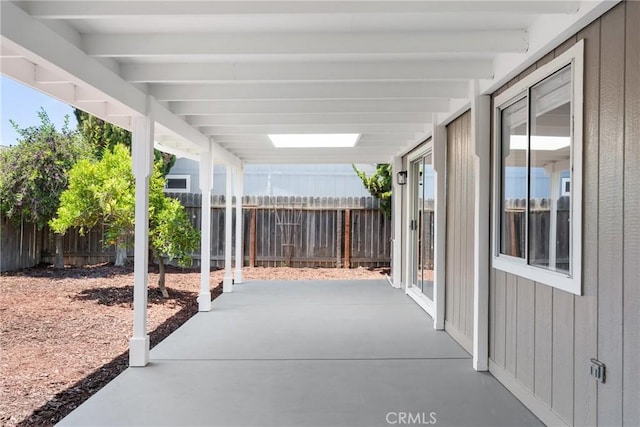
{"x":263,"y":44}
{"x":192,"y":108}
{"x":308,"y":119}
{"x":305,"y":158}
{"x":258,"y":145}
{"x":41,"y":45}
{"x":300,"y":129}
{"x":115,"y":9}
{"x":309,"y":91}
{"x":321,"y":71}
{"x":368,"y":140}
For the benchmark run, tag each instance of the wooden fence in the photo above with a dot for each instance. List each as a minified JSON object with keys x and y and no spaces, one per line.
{"x":539,"y":229}
{"x":278,"y":231}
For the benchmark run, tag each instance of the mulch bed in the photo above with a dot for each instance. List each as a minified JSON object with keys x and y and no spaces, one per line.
{"x":65,"y":333}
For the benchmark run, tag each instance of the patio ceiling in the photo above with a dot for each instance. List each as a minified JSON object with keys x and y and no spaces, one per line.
{"x":233,"y":72}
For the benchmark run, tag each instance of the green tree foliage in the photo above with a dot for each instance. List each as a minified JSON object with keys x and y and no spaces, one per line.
{"x":34,"y":173}
{"x":379,"y":185}
{"x":104,"y":136}
{"x":102,"y":192}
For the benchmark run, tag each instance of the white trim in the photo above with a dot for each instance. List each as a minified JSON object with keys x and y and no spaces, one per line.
{"x":206,"y":175}
{"x":439,"y":142}
{"x":227,"y":282}
{"x":569,"y":283}
{"x":421,"y":299}
{"x":528,"y":399}
{"x":186,"y":189}
{"x":396,"y":257}
{"x":239,"y":187}
{"x":142,"y":165}
{"x":481,"y":139}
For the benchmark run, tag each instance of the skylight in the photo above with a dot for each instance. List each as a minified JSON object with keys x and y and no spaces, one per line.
{"x":323,"y":140}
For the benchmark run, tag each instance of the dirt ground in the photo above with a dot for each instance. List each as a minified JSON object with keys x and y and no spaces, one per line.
{"x":64,"y":333}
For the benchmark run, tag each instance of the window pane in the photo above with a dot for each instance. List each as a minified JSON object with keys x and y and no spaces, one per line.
{"x":550,"y":173}
{"x":176,"y":183}
{"x":514,"y":179}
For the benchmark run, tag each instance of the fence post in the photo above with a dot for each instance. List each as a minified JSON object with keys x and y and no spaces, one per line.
{"x":347,"y":238}
{"x":338,"y":238}
{"x":252,"y":238}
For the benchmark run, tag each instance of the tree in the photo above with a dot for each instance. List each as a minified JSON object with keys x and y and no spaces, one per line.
{"x":102,"y":192}
{"x":379,"y":185}
{"x":34,"y":173}
{"x":104,"y":136}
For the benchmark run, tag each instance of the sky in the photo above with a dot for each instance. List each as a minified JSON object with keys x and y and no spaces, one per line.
{"x":21,"y":104}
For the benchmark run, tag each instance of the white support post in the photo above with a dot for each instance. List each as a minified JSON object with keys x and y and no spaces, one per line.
{"x":481,"y":139}
{"x":227,"y":283}
{"x":142,"y":163}
{"x":206,"y":172}
{"x":440,"y":221}
{"x":396,"y":214}
{"x":239,"y":189}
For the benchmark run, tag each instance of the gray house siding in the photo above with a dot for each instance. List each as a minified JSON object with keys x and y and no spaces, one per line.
{"x":460,"y":232}
{"x":541,"y":338}
{"x":320,"y":180}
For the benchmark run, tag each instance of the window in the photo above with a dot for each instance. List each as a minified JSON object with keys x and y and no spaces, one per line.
{"x":538,"y":173}
{"x":177,"y":184}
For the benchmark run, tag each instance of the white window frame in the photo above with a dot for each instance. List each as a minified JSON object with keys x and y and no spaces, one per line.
{"x":567,"y":282}
{"x":178,"y":190}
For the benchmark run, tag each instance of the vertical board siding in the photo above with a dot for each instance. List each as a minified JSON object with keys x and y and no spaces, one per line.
{"x":557,"y":333}
{"x":586,"y":307}
{"x":460,"y":233}
{"x":610,"y":218}
{"x":525,"y":327}
{"x":631,"y":249}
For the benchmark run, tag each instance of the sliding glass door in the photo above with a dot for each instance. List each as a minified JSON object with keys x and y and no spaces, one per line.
{"x":422,"y":226}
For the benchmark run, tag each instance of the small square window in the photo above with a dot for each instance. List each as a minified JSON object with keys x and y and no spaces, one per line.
{"x":177,"y":184}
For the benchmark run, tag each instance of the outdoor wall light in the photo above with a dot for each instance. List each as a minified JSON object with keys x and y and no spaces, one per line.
{"x":402,"y":177}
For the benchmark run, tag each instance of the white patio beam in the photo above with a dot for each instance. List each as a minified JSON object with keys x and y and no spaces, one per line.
{"x":452,"y":69}
{"x":237,"y":147}
{"x":191,"y":108}
{"x":439,"y":138}
{"x":110,"y":9}
{"x":481,"y":140}
{"x":305,"y":159}
{"x":297,"y":129}
{"x":142,"y":164}
{"x":206,"y":175}
{"x":396,"y":216}
{"x":45,"y":48}
{"x":227,"y":282}
{"x":239,"y":190}
{"x":309,"y":91}
{"x":340,"y":43}
{"x":307,"y":119}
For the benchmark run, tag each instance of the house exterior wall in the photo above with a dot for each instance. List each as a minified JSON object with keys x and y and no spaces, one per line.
{"x":542,"y":338}
{"x":332,"y":180}
{"x":460,"y":232}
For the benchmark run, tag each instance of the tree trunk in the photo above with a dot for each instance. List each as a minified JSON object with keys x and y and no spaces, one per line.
{"x":121,"y":254}
{"x":59,"y":258}
{"x":161,"y":269}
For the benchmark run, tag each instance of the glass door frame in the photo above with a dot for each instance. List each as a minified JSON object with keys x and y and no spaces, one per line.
{"x":412,"y":245}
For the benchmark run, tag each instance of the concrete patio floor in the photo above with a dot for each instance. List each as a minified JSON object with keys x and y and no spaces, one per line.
{"x":315,"y":353}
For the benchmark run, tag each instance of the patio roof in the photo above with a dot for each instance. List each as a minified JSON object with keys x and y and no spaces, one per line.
{"x":232,"y":72}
